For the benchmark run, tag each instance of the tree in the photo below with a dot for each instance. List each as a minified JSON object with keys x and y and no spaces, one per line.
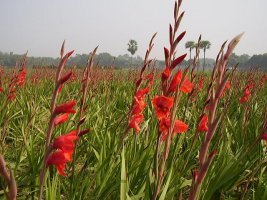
{"x":205,"y":44}
{"x":190,"y":45}
{"x":132,"y":48}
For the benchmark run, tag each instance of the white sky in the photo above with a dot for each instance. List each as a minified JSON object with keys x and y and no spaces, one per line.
{"x":41,"y":26}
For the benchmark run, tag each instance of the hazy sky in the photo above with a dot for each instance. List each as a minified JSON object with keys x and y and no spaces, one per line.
{"x":41,"y":26}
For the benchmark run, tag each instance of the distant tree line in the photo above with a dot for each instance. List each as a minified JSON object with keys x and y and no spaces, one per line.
{"x":101,"y":59}
{"x":123,"y":61}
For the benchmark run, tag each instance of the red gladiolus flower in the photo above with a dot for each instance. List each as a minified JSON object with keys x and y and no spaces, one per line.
{"x":175,"y":81}
{"x":11,"y":97}
{"x":226,"y":87}
{"x":246,"y":95}
{"x":149,"y":77}
{"x":164,"y":125}
{"x":1,"y":89}
{"x":59,"y":159}
{"x":66,"y":142}
{"x":162,"y":106}
{"x":138,"y":107}
{"x":180,"y":127}
{"x":187,"y":86}
{"x":140,"y":94}
{"x":135,"y":121}
{"x":21,"y":77}
{"x":203,"y":124}
{"x":243,"y":99}
{"x":65,"y":108}
{"x":65,"y":147}
{"x":61,"y":119}
{"x":250,"y":86}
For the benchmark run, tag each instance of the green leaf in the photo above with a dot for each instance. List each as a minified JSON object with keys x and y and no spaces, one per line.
{"x":123,"y":177}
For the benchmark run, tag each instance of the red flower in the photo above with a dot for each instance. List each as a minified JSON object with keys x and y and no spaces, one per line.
{"x":226,"y":87}
{"x":135,"y":121}
{"x":65,"y":147}
{"x":66,"y":142}
{"x":165,"y":123}
{"x":246,"y":95}
{"x":61,"y":119}
{"x":180,"y":127}
{"x":175,"y":81}
{"x":65,"y":108}
{"x":187,"y":86}
{"x":140,"y":94}
{"x":59,"y":159}
{"x":243,"y":99}
{"x":138,"y":106}
{"x":162,"y":106}
{"x":203,"y":124}
{"x":12,"y":96}
{"x":21,"y":77}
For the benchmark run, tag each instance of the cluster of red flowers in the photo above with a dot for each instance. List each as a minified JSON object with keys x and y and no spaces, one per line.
{"x":17,"y":80}
{"x":163,"y":104}
{"x":246,"y":92}
{"x":64,"y":145}
{"x":136,"y":116}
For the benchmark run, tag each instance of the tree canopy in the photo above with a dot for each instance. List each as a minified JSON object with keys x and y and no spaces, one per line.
{"x":132,"y":46}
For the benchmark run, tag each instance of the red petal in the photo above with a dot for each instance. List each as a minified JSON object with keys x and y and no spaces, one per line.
{"x":175,"y":81}
{"x":187,"y":86}
{"x":162,"y":105}
{"x":65,"y":108}
{"x":180,"y":127}
{"x":203,"y":124}
{"x":61,"y":119}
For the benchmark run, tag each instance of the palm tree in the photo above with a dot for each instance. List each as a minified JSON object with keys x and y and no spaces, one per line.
{"x":132,"y":48}
{"x":190,"y":45}
{"x":205,"y":44}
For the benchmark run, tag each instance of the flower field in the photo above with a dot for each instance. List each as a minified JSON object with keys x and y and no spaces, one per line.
{"x":149,"y":133}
